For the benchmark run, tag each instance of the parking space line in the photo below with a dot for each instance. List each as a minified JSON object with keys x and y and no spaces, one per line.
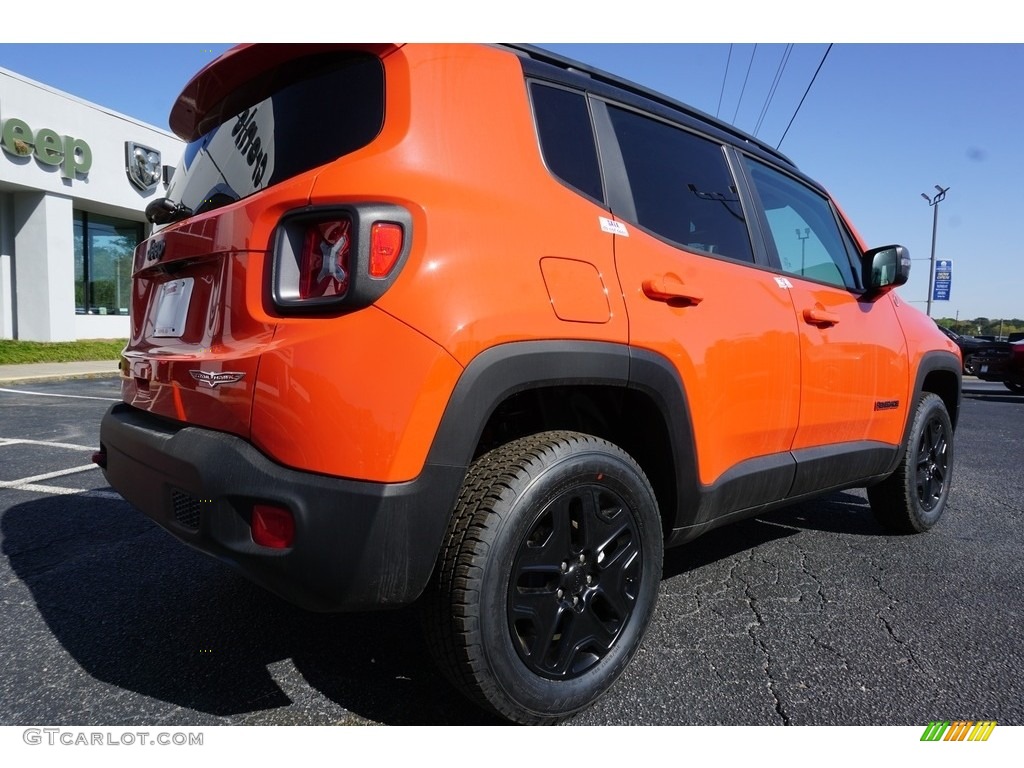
{"x":53,"y":394}
{"x":33,"y":483}
{"x":56,"y":490}
{"x":24,"y":441}
{"x":49,"y":475}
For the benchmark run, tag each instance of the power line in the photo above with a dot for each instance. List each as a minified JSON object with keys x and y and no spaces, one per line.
{"x":775,"y":85}
{"x":824,"y":56}
{"x":746,"y":77}
{"x":724,"y":78}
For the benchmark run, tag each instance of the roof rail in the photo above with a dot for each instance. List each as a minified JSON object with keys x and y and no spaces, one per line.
{"x":540,"y":54}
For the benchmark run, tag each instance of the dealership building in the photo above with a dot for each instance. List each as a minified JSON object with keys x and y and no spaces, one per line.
{"x":75,"y":179}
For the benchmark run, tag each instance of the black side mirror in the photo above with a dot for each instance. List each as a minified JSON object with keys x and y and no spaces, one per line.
{"x":885,"y":268}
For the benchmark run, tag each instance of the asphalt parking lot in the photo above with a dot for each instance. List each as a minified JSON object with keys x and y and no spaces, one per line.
{"x":810,"y":615}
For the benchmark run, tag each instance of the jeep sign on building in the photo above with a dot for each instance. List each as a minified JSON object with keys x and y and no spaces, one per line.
{"x":75,"y":179}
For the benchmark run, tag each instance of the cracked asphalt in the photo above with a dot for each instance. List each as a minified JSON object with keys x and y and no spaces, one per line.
{"x":811,"y":615}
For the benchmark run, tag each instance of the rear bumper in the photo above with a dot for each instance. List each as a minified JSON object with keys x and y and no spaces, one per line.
{"x":1000,"y":370}
{"x":358,"y":545}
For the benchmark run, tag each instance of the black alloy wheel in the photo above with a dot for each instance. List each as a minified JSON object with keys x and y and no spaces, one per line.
{"x":548,"y":577}
{"x":932,"y":463}
{"x":575,"y":582}
{"x":913,"y":498}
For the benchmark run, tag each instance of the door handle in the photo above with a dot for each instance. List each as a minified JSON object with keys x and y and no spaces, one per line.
{"x":820,"y":316}
{"x":671,"y":289}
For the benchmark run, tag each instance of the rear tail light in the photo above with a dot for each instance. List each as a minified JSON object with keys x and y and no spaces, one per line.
{"x":272,"y":526}
{"x":336,"y":259}
{"x":324,"y":268}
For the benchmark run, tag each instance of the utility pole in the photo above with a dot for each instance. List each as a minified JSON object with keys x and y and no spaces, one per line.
{"x":940,"y":195}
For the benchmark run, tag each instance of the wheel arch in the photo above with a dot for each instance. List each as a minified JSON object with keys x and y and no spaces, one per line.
{"x":632,"y":398}
{"x":940,"y":373}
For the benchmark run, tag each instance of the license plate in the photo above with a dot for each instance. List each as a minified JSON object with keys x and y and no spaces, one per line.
{"x":984,"y":369}
{"x":172,"y":308}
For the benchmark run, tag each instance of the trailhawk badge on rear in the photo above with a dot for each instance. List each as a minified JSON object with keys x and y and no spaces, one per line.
{"x":211,"y":380}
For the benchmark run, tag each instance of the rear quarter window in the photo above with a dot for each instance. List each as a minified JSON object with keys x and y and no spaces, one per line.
{"x":567,"y":137}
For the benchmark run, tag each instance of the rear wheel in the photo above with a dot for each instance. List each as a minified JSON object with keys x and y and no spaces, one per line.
{"x":549,"y":576}
{"x":1017,"y":389}
{"x":912,"y":499}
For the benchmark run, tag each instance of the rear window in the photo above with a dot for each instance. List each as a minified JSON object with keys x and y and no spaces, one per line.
{"x":682,"y":187}
{"x":295,"y":118}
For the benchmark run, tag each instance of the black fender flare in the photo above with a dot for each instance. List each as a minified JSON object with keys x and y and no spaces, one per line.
{"x":506,"y":369}
{"x":935,"y":361}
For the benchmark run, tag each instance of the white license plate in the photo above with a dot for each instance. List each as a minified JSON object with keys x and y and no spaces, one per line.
{"x":172,"y":308}
{"x":984,"y":369}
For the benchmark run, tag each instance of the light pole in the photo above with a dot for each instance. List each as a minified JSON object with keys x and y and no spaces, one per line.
{"x":803,"y":246}
{"x":940,"y":195}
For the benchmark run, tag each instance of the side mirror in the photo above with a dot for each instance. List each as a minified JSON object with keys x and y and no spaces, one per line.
{"x":884,"y":269}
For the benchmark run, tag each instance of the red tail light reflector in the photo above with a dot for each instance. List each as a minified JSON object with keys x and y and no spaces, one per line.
{"x":272,"y":526}
{"x":385,"y":247}
{"x":324,"y":261}
{"x":333,"y":259}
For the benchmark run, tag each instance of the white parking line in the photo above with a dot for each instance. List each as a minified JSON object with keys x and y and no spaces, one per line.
{"x":50,"y":475}
{"x":52,"y":394}
{"x":33,"y":483}
{"x":56,"y":490}
{"x":24,"y":441}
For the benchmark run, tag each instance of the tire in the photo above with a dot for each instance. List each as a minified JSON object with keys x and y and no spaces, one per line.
{"x":912,"y":499}
{"x":1017,"y":389}
{"x":549,"y":576}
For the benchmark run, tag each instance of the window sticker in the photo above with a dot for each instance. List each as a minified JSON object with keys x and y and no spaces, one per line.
{"x":615,"y":227}
{"x":783,"y":282}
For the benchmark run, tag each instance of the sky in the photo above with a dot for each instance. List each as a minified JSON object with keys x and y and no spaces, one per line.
{"x":881,"y":124}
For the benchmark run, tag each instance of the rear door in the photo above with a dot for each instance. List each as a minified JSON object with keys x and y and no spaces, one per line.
{"x":695,"y":296}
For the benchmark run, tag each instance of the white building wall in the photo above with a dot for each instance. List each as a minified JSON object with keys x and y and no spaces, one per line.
{"x":38,"y":200}
{"x":104,"y":130}
{"x":44,"y":243}
{"x":6,"y":262}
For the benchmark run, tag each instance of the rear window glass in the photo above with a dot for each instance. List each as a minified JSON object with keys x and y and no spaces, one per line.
{"x":307,"y":114}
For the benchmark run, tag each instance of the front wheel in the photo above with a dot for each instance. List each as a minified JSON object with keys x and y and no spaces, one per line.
{"x":549,"y":576}
{"x":912,"y":499}
{"x":1017,"y":389}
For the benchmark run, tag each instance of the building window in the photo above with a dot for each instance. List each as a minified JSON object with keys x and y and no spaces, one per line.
{"x":103,"y":263}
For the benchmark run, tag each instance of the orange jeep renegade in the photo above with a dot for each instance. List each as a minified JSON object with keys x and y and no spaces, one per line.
{"x":485,"y":328}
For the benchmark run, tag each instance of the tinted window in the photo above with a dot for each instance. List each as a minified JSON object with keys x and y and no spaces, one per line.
{"x":289,"y":121}
{"x":566,"y":138}
{"x":804,"y":228}
{"x":681,"y":186}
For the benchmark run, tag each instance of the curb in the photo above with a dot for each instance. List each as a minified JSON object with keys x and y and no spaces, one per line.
{"x":43,"y":377}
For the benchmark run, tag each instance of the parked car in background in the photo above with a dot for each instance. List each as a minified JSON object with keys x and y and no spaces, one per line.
{"x":976,"y":350}
{"x":1005,"y":365}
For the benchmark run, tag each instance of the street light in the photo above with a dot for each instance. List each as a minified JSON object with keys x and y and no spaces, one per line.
{"x":940,"y":195}
{"x":803,"y":246}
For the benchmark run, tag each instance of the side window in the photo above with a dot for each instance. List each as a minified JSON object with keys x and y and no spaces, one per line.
{"x":681,"y":186}
{"x":567,"y":138}
{"x":804,"y":229}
